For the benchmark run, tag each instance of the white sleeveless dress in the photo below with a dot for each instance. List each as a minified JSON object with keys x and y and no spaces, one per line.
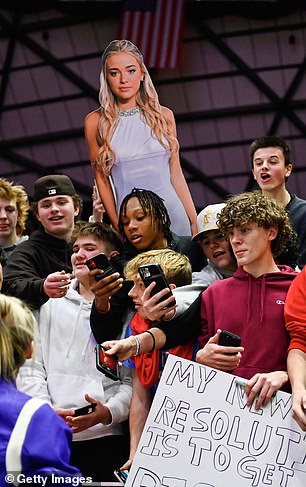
{"x":142,"y":162}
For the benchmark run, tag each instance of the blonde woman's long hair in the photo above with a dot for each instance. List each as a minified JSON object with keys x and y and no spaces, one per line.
{"x":17,"y":324}
{"x":146,"y":99}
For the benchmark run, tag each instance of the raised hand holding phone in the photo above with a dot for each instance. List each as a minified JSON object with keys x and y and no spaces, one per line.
{"x":159,"y":306}
{"x":100,"y":261}
{"x":153,"y":273}
{"x":103,"y":284}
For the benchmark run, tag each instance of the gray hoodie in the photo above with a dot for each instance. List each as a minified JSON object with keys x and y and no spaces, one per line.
{"x":63,"y":367}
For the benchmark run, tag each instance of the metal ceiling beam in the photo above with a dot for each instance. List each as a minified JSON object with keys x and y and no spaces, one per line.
{"x":42,"y":138}
{"x":34,"y":167}
{"x":201,"y":177}
{"x":279,"y":104}
{"x":61,"y":68}
{"x":230,"y":143}
{"x":300,"y":74}
{"x":42,"y":101}
{"x":8,"y":59}
{"x":51,"y":60}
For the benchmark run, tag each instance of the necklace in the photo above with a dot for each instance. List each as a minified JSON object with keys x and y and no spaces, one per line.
{"x":129,"y":112}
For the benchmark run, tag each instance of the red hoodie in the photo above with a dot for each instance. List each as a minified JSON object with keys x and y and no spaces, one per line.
{"x":295,"y":312}
{"x":254,"y":309}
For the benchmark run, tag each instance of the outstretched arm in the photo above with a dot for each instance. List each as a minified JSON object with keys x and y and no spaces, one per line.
{"x":127,"y":347}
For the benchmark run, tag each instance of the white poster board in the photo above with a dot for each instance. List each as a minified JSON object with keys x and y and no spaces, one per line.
{"x":201,"y":433}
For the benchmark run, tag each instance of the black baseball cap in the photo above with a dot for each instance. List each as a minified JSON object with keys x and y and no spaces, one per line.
{"x":53,"y":185}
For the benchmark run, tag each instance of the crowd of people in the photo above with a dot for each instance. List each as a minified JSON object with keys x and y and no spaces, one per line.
{"x":239,"y":265}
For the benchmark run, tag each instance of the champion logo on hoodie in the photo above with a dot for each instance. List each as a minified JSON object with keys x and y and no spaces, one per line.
{"x":280,"y":301}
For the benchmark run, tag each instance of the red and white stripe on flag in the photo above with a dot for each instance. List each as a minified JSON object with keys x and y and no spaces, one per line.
{"x":157,"y":33}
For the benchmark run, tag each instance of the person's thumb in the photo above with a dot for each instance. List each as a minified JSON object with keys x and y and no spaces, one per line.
{"x":215,"y":338}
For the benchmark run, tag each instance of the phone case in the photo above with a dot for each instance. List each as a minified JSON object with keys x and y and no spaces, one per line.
{"x":85,"y":409}
{"x":100,"y":261}
{"x":228,"y":339}
{"x":121,"y":475}
{"x":107,"y":364}
{"x":153,"y":272}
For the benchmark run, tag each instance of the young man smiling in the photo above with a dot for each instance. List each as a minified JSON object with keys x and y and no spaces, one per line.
{"x":63,"y":371}
{"x":272,"y":164}
{"x":40,"y":268}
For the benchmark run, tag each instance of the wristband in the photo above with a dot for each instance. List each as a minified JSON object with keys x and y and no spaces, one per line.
{"x":153,"y":338}
{"x":137,"y":345}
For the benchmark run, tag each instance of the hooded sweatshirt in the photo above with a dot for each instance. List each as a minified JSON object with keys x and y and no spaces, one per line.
{"x":31,"y":262}
{"x":63,"y":367}
{"x":252,"y":308}
{"x":295,"y":312}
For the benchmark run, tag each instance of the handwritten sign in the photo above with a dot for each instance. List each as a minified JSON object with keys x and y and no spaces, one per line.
{"x":200,"y":432}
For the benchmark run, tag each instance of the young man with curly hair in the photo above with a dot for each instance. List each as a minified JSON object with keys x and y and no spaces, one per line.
{"x":14,"y":208}
{"x":249,"y":304}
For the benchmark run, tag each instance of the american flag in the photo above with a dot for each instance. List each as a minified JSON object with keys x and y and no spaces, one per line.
{"x":156,"y":27}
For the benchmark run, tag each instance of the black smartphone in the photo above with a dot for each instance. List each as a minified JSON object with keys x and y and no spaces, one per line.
{"x":100,"y":261}
{"x":228,"y":339}
{"x":107,"y":364}
{"x":85,"y":409}
{"x":154,"y":272}
{"x":121,"y":475}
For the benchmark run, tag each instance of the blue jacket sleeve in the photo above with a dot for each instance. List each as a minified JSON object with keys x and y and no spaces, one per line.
{"x":47,"y":446}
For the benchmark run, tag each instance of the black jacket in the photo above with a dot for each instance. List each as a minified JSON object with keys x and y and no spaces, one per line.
{"x":31,"y":262}
{"x":296,"y":210}
{"x":107,"y":326}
